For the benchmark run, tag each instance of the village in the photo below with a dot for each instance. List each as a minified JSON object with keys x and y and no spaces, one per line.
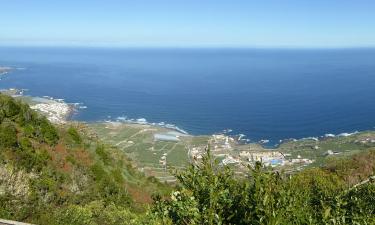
{"x":56,"y":111}
{"x":228,"y":151}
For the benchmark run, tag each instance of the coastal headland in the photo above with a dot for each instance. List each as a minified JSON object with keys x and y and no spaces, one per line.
{"x":4,"y":69}
{"x":56,"y":110}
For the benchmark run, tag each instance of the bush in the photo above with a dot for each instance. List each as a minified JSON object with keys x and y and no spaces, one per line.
{"x":48,"y":132}
{"x":209,"y":194}
{"x":10,"y":107}
{"x":8,"y":135}
{"x":74,"y":135}
{"x":103,"y":154}
{"x":95,"y":213}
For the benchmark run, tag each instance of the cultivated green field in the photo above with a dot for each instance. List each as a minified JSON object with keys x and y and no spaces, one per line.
{"x":339,"y":146}
{"x":139,"y":143}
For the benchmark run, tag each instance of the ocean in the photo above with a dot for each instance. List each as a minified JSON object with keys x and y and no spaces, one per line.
{"x":269,"y":94}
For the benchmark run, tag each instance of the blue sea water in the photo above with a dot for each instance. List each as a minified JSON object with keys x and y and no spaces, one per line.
{"x":263,"y":93}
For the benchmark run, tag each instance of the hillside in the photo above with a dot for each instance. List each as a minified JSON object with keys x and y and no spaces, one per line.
{"x":46,"y":170}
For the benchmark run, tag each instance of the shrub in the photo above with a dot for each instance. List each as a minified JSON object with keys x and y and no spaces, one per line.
{"x":48,"y":132}
{"x":209,"y":194}
{"x":9,"y":106}
{"x":95,"y":213}
{"x":103,"y":154}
{"x":8,"y":135}
{"x":74,"y":135}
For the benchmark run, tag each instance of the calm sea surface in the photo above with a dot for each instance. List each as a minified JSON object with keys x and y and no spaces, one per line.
{"x":264,"y":94}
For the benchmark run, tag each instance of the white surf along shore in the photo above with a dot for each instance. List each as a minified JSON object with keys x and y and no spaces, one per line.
{"x":59,"y":112}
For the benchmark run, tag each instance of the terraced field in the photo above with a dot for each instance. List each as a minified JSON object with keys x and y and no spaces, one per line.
{"x":155,"y":157}
{"x":339,"y":146}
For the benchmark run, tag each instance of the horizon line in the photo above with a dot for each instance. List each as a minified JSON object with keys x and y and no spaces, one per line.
{"x":105,"y":46}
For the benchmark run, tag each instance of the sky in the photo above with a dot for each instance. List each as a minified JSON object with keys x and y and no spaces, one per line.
{"x":188,"y":23}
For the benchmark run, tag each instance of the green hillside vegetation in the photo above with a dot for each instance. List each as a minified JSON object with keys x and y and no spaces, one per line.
{"x":60,"y":175}
{"x":57,"y":175}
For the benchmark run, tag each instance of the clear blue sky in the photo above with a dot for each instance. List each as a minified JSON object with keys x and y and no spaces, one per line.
{"x":189,"y":23}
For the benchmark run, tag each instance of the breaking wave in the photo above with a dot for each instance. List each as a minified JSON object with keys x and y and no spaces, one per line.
{"x":145,"y":122}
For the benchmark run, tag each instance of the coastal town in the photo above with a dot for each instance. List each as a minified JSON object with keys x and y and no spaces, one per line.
{"x":230,"y":152}
{"x":56,"y":111}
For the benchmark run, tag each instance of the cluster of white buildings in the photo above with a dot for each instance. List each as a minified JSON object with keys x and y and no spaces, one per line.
{"x":224,"y":146}
{"x":222,"y":142}
{"x":56,"y":112}
{"x":230,"y":160}
{"x":272,"y":158}
{"x":366,"y":140}
{"x":268,"y":158}
{"x":301,"y":160}
{"x":196,"y":153}
{"x":163,"y":160}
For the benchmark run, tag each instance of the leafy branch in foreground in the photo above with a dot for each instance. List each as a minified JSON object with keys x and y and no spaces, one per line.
{"x":210,"y":194}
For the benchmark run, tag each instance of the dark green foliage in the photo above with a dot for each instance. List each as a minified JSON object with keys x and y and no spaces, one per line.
{"x":28,"y":122}
{"x":210,"y":194}
{"x":8,"y":135}
{"x":9,"y":107}
{"x":48,"y":132}
{"x":98,"y":171}
{"x":103,"y":154}
{"x":117,"y":175}
{"x":360,"y":204}
{"x":19,"y":127}
{"x":29,"y":159}
{"x":110,"y":187}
